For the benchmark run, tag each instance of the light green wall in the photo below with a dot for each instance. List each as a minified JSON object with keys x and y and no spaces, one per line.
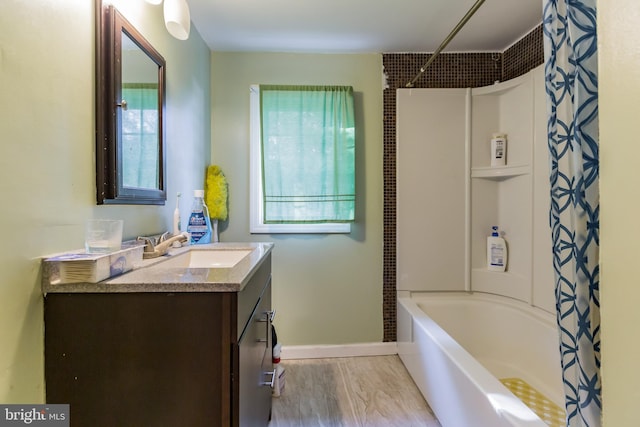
{"x":47,"y":167}
{"x":327,"y":289}
{"x":619,"y":91}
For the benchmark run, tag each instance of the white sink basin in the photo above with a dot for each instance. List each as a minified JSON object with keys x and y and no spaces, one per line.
{"x":207,"y":258}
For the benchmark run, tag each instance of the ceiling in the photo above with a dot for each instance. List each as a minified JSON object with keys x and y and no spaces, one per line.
{"x":361,"y":26}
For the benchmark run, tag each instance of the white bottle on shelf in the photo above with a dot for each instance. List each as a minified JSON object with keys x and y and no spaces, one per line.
{"x":496,"y":251}
{"x":499,"y":149}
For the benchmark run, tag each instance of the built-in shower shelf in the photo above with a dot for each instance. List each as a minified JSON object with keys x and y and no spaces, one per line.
{"x":504,"y":196}
{"x":500,"y":172}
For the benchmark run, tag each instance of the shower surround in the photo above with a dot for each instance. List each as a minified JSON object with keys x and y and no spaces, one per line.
{"x":449,"y":70}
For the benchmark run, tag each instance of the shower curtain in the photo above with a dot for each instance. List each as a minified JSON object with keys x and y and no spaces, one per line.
{"x":571,"y":79}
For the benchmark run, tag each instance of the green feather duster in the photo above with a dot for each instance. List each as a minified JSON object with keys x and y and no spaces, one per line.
{"x":216,"y":193}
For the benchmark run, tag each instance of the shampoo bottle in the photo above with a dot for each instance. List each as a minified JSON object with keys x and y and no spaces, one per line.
{"x":199,"y":226}
{"x":499,"y":149}
{"x":496,"y":251}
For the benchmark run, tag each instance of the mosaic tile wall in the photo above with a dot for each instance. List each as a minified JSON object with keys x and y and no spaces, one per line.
{"x":448,"y":70}
{"x":523,"y":56}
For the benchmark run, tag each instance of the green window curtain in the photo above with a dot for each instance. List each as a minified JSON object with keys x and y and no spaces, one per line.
{"x":308,"y":154}
{"x":140,"y":135}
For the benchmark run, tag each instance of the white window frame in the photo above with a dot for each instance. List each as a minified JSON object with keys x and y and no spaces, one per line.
{"x":256,"y":207}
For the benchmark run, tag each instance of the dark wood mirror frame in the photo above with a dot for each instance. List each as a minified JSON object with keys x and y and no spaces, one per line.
{"x":110,"y":25}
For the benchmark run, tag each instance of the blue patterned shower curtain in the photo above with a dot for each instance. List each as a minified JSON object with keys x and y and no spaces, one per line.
{"x":571,"y":67}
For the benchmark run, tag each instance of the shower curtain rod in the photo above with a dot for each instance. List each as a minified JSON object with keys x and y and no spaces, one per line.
{"x":446,"y":41}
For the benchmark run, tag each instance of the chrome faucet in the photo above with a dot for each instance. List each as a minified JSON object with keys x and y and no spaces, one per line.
{"x":154,"y":248}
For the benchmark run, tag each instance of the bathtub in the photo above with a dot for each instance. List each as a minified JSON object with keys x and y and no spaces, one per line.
{"x":456,"y":346}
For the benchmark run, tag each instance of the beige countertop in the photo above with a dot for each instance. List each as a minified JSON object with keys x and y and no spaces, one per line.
{"x":151,"y":276}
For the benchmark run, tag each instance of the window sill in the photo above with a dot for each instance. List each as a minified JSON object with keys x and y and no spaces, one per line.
{"x":329,"y":228}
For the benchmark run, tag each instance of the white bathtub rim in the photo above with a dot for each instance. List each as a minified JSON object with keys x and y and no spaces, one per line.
{"x":461,"y":357}
{"x":536,"y":312}
{"x":497,"y":393}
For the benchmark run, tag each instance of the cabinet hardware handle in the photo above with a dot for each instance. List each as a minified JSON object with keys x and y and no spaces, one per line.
{"x":268,"y":319}
{"x":273,"y":378}
{"x":270,"y":315}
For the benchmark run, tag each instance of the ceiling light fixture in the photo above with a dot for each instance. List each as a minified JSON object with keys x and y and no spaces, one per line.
{"x":177,"y":18}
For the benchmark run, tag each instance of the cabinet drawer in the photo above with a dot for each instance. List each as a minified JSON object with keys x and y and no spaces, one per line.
{"x":249,"y":297}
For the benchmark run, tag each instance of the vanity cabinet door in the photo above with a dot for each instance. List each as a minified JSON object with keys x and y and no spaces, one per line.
{"x":134,"y":359}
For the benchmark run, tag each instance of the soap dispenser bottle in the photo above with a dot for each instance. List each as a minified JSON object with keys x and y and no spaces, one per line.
{"x":496,"y":251}
{"x":199,"y":226}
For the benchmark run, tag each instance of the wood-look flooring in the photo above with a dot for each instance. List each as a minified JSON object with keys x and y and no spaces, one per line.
{"x":356,"y":391}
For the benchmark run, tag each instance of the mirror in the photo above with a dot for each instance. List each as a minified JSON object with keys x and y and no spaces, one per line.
{"x":130,"y":106}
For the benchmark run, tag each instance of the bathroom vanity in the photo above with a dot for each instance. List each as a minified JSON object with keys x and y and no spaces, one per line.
{"x":175,"y":342}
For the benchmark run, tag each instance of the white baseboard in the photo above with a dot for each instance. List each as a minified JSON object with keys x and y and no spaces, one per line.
{"x":338,"y":350}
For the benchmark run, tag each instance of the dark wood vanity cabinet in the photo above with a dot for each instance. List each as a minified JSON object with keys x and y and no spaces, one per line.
{"x":162,"y":359}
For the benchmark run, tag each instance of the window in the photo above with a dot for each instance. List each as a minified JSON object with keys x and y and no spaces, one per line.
{"x":302,"y":159}
{"x":140,"y":135}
